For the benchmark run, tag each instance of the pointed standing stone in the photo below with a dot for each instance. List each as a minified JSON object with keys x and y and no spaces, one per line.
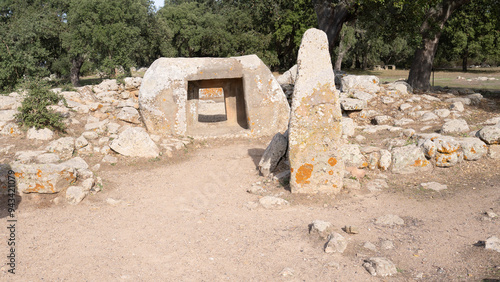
{"x":315,"y":124}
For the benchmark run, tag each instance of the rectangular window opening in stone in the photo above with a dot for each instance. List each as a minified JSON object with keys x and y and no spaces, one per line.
{"x":216,"y":106}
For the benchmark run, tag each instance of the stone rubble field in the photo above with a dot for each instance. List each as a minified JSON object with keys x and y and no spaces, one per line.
{"x":420,"y":196}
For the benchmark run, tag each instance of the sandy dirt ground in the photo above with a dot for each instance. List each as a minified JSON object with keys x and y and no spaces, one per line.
{"x":190,"y":219}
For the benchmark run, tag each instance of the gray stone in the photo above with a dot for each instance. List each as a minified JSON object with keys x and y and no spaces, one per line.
{"x":361,"y":95}
{"x":75,"y":194}
{"x":40,"y":134}
{"x":492,"y":121}
{"x":47,"y":158}
{"x":271,"y":202}
{"x":430,"y":98}
{"x":98,"y":127}
{"x":10,"y":129}
{"x":336,"y":243}
{"x":494,"y":151}
{"x":493,"y":243}
{"x":490,"y":134}
{"x":457,"y":106}
{"x":129,"y":114}
{"x":367,"y":83}
{"x":473,"y":148}
{"x":442,"y":113}
{"x":315,"y":125}
{"x":385,"y":160}
{"x":132,"y":82}
{"x":39,"y":178}
{"x":64,"y":146}
{"x":401,"y":86}
{"x":8,"y":103}
{"x":352,"y":156}
{"x":448,"y":151}
{"x":349,"y":104}
{"x":428,"y":116}
{"x":455,"y":126}
{"x":434,"y":186}
{"x":90,"y":135}
{"x":81,"y":142}
{"x":110,"y":159}
{"x":380,"y":266}
{"x":112,"y":127}
{"x":405,"y":106}
{"x":390,"y":220}
{"x":409,"y":159}
{"x":321,"y":228}
{"x":387,"y":100}
{"x":464,"y":101}
{"x":107,"y":85}
{"x":348,"y":127}
{"x":25,"y":157}
{"x":87,"y":184}
{"x":7,"y":115}
{"x":382,"y":120}
{"x":135,"y":142}
{"x":403,"y":121}
{"x":273,"y":153}
{"x":262,"y":108}
{"x":288,"y":77}
{"x":76,"y":163}
{"x":287,"y":272}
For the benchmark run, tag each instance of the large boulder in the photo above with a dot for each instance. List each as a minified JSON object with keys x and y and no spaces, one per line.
{"x":169,"y":97}
{"x":135,"y":142}
{"x":64,"y":147}
{"x":315,"y":125}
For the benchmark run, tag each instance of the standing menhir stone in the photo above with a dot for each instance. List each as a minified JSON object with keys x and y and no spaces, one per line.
{"x":315,"y":124}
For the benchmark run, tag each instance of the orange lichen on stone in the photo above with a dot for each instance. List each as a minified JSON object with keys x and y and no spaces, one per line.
{"x":37,"y":188}
{"x":472,"y":150}
{"x":334,"y":186}
{"x":421,"y":163}
{"x":365,"y":164}
{"x":18,"y":174}
{"x":39,"y":173}
{"x":375,"y":81}
{"x":304,"y":173}
{"x":332,"y":161}
{"x":330,"y":172}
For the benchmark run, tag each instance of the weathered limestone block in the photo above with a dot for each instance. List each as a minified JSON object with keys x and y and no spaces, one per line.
{"x":40,"y":134}
{"x":288,"y":77}
{"x":380,"y":266}
{"x":352,"y":156}
{"x":39,"y":178}
{"x":349,"y":104}
{"x":367,"y":83}
{"x":455,"y":126}
{"x":315,"y":124}
{"x":473,"y":148}
{"x":490,"y":134}
{"x":135,"y":142}
{"x":129,"y":114}
{"x":336,"y":243}
{"x":63,"y":146}
{"x":273,"y":153}
{"x":169,"y":96}
{"x":409,"y":159}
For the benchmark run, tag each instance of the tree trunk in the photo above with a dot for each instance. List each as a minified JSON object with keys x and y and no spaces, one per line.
{"x":332,"y":18}
{"x":465,"y":57}
{"x":421,"y":67}
{"x":340,"y":56}
{"x":76,"y":65}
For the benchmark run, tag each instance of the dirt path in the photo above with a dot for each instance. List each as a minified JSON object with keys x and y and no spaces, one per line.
{"x":189,"y":221}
